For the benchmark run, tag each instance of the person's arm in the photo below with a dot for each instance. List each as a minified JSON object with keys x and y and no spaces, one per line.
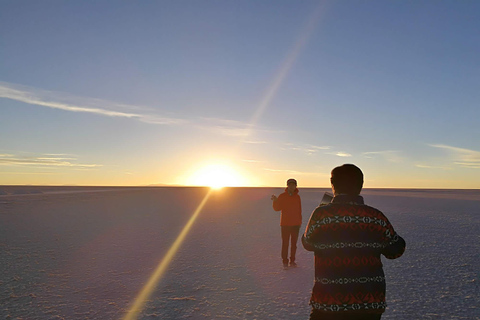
{"x":276,"y":203}
{"x":394,"y":244}
{"x":300,"y":205}
{"x":310,"y":231}
{"x":306,"y":244}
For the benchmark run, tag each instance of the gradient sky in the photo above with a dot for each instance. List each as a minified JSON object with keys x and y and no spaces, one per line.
{"x":150,"y":92}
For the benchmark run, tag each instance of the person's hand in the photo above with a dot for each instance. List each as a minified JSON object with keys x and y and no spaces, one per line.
{"x":274,"y":198}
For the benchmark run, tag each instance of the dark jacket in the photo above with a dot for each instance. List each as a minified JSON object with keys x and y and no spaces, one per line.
{"x":291,"y":207}
{"x":348,"y":238}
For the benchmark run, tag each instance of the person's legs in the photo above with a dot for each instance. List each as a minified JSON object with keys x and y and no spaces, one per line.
{"x":294,"y":238}
{"x":318,"y":315}
{"x":365,"y":317}
{"x":285,"y":240}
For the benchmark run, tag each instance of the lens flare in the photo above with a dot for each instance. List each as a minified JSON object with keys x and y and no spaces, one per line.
{"x":148,"y":289}
{"x":217,"y":176}
{"x":287,"y":64}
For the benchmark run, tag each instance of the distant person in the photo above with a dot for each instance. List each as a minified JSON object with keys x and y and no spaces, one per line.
{"x":290,"y":205}
{"x":348,"y":238}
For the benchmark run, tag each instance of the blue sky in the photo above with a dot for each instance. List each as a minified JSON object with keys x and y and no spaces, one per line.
{"x":139,"y":93}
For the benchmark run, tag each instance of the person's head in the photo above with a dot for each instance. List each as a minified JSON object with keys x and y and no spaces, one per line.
{"x":347,"y":179}
{"x":291,"y":185}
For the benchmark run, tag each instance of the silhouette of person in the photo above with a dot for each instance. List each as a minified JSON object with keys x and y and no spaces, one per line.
{"x":348,"y":239}
{"x":290,"y":205}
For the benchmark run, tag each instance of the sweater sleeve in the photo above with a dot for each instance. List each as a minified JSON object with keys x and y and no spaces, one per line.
{"x":300,"y":205}
{"x":306,"y":244}
{"x":310,"y":231}
{"x":394,"y":244}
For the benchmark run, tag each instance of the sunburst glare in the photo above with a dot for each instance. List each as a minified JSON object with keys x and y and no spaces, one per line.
{"x":217,"y":176}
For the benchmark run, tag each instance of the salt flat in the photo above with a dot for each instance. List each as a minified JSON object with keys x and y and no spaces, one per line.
{"x":85,"y":253}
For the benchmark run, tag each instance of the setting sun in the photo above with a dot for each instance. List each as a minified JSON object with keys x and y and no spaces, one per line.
{"x":217,"y":176}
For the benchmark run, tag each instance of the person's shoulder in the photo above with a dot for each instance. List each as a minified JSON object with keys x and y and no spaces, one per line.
{"x":324,"y":209}
{"x":372,"y":211}
{"x":370,"y":208}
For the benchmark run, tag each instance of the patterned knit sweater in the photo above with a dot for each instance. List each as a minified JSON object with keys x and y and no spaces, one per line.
{"x":348,"y":238}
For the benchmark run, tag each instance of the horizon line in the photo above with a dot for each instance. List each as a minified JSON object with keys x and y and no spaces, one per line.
{"x":225,"y":187}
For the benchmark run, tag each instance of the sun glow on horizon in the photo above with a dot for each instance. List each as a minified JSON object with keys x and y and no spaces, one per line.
{"x":217,"y":176}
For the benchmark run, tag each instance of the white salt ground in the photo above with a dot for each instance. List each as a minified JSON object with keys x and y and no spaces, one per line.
{"x":86,"y":255}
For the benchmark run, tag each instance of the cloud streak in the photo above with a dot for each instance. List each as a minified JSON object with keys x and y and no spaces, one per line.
{"x":43,"y":161}
{"x":253,"y":161}
{"x":343,"y":154}
{"x":66,"y":102}
{"x":465,"y":158}
{"x":232,"y":128}
{"x":295,"y":172}
{"x":71,"y":103}
{"x":424,"y":166}
{"x":307,"y":149}
{"x":389,"y":155}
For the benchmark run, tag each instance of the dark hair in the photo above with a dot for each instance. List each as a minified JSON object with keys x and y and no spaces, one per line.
{"x":347,"y":179}
{"x":291,"y":181}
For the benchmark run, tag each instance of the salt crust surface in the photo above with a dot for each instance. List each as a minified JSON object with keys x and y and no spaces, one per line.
{"x":84,"y":253}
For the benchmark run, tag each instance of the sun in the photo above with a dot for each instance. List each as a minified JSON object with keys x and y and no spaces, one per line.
{"x":217,"y":176}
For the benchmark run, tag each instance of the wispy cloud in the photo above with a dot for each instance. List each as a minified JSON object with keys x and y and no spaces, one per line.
{"x":67,"y":102}
{"x":295,"y":172}
{"x":343,"y":154}
{"x":224,"y":127}
{"x":340,"y":154}
{"x":226,"y":131}
{"x":307,"y":149}
{"x":319,"y":147}
{"x":44,"y":161}
{"x":232,"y":128}
{"x":465,"y":158}
{"x":282,"y":171}
{"x":28,"y":173}
{"x":425,"y":166}
{"x":389,"y":155}
{"x":252,"y":161}
{"x":72,"y":103}
{"x":254,"y":142}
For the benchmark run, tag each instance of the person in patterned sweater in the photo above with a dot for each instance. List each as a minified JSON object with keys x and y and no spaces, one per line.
{"x":348,"y":239}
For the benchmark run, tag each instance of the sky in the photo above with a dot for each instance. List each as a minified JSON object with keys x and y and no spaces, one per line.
{"x":254,"y":92}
